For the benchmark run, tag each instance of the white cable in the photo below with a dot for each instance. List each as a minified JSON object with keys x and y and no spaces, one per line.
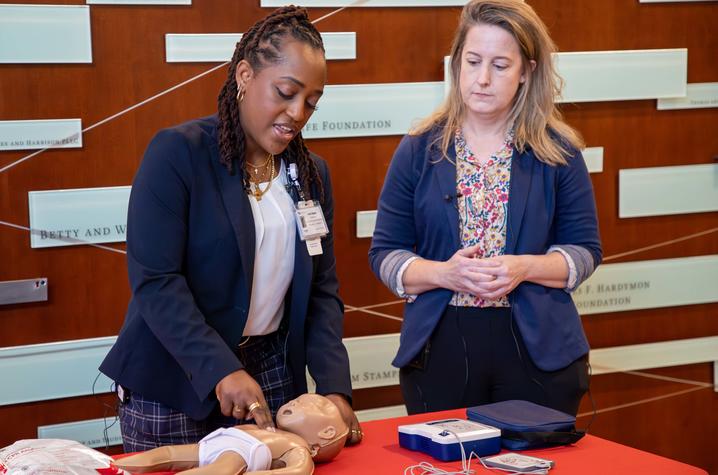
{"x":429,"y":469}
{"x":350,"y":308}
{"x":644,"y":401}
{"x":660,"y":244}
{"x":355,"y":3}
{"x":379,"y":314}
{"x":672,"y":379}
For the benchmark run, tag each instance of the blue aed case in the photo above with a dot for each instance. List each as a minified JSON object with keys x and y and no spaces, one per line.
{"x":440,"y":439}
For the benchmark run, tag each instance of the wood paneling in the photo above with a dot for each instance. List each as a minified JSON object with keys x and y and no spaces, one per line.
{"x":88,"y":287}
{"x":682,"y":427}
{"x":21,"y":421}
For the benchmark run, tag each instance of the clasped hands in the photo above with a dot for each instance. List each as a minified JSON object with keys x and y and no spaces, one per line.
{"x":487,"y":278}
{"x":241,"y":397}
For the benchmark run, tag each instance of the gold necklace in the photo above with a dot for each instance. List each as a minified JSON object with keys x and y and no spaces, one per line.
{"x":256,"y":168}
{"x":257,"y":192}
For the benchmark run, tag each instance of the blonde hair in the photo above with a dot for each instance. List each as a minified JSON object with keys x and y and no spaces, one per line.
{"x":536,"y":120}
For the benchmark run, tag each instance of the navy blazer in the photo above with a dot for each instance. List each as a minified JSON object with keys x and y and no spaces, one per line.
{"x":547,"y":205}
{"x":190,"y":260}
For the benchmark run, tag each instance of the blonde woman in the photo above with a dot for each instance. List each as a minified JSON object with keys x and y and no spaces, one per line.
{"x":486,"y":223}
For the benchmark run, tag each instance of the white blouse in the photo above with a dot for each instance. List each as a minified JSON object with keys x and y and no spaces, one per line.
{"x":275,"y":231}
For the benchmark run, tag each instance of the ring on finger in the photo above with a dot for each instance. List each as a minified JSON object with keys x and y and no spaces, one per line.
{"x":254,"y":406}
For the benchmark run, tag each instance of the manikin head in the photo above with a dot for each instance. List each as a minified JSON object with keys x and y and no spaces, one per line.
{"x":318,"y":421}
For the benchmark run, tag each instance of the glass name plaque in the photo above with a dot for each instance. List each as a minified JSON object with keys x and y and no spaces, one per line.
{"x":78,"y":216}
{"x":45,"y":34}
{"x":55,"y":370}
{"x":371,"y":360}
{"x":698,"y":96}
{"x":91,"y":433}
{"x":649,"y":284}
{"x":216,"y":47}
{"x":594,"y":159}
{"x":366,"y":222}
{"x":642,"y":191}
{"x":623,"y":75}
{"x":365,"y":110}
{"x":39,"y":134}
{"x":596,"y":76}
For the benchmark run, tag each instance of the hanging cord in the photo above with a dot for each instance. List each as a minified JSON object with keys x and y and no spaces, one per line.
{"x":429,"y":469}
{"x":106,"y":410}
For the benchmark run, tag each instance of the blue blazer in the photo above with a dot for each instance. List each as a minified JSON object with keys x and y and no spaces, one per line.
{"x":547,"y":205}
{"x":190,"y":260}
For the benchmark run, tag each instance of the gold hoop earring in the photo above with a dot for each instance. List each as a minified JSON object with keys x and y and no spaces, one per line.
{"x":240,"y":95}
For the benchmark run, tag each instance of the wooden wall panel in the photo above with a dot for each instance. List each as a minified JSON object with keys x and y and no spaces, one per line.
{"x":682,"y":427}
{"x":21,"y":421}
{"x":88,"y":287}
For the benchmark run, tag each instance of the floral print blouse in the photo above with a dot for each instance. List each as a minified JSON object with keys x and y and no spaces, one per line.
{"x":483,"y":199}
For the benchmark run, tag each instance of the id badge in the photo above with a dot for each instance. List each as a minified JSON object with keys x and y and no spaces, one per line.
{"x":310,"y":220}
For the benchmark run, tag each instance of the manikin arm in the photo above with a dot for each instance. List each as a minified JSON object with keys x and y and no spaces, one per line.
{"x":171,"y":458}
{"x":175,"y":458}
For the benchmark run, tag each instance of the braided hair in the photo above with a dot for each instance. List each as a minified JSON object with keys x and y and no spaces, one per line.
{"x":261,"y":46}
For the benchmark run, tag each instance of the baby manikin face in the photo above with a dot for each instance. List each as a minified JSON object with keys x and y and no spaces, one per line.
{"x":310,"y":415}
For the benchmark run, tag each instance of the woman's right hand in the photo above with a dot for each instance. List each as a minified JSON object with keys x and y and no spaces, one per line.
{"x":237,"y":393}
{"x":461,"y":273}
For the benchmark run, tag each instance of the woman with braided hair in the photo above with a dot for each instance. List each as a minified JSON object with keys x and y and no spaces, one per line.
{"x":234,"y":291}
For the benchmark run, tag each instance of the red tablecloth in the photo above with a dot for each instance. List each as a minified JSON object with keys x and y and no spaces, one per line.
{"x":379,"y":453}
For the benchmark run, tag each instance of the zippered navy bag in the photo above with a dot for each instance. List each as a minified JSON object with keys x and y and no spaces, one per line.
{"x":525,"y":425}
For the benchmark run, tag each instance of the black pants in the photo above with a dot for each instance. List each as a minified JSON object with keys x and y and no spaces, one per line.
{"x":477,"y":356}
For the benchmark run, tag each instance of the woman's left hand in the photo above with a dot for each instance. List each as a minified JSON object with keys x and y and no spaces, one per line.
{"x":508,"y":272}
{"x":355,"y":432}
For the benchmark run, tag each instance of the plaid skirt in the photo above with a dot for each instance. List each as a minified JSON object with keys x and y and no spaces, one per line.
{"x":146,"y":424}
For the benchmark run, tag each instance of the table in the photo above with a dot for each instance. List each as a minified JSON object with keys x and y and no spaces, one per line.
{"x":379,"y":453}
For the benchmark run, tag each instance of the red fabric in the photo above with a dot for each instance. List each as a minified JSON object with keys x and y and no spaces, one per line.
{"x":379,"y":454}
{"x":109,"y":471}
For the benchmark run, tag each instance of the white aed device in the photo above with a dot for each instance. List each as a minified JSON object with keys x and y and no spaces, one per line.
{"x":442,"y":439}
{"x":518,"y":463}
